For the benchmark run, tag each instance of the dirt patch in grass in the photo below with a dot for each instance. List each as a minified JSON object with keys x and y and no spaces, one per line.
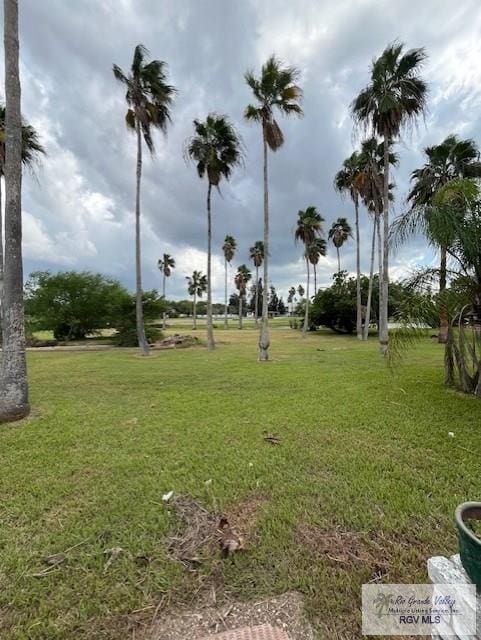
{"x":285,"y":611}
{"x":346,"y":548}
{"x":201,"y":533}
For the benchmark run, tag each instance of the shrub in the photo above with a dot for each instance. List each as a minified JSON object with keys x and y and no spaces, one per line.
{"x":127,"y":337}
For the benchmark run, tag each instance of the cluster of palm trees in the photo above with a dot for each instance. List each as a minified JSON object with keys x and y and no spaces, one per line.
{"x":392,"y":102}
{"x":215,"y":148}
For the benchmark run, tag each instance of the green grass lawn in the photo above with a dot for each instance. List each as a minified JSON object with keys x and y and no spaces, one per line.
{"x":365,"y":464}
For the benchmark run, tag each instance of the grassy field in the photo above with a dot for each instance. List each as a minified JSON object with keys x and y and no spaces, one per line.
{"x":362,"y":487}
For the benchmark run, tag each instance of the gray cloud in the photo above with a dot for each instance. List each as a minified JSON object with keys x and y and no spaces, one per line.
{"x":78,"y":207}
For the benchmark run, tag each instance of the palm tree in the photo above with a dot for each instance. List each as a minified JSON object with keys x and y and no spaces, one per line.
{"x":149,"y":99}
{"x":349,"y":180}
{"x":275,"y":89}
{"x":315,"y":250}
{"x":452,"y":159}
{"x":301,"y":291}
{"x":228,"y":248}
{"x":290,"y":299}
{"x":241,"y":279}
{"x":165,"y":264}
{"x":215,"y":148}
{"x":256,"y":254}
{"x":31,"y":149}
{"x":371,"y":187}
{"x":13,"y":373}
{"x":309,"y":227}
{"x":339,"y":232}
{"x":196,"y":286}
{"x":395,"y":98}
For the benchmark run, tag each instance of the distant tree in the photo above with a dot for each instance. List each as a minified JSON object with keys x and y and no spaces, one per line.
{"x":301,"y":291}
{"x":395,"y":97}
{"x":165,"y":264}
{"x":290,"y":299}
{"x":275,"y":89}
{"x":371,"y":165}
{"x":74,"y":304}
{"x":228,"y":248}
{"x":256,"y":254}
{"x":215,"y":148}
{"x":273,"y":300}
{"x":339,"y":232}
{"x":349,"y":180}
{"x":315,"y":250}
{"x":196,"y":286}
{"x":242,"y":277}
{"x":309,"y":227}
{"x":149,"y":99}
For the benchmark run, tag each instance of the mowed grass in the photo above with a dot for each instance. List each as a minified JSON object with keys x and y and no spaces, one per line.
{"x":364,"y":455}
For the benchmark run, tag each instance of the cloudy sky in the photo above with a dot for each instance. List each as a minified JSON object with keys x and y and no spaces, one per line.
{"x":78,"y":205}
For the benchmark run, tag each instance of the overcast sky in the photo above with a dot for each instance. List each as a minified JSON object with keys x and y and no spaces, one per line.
{"x":78,"y":207}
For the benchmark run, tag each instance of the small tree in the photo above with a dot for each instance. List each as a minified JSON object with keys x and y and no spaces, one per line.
{"x":339,"y":232}
{"x":165,"y":264}
{"x":242,"y":277}
{"x":74,"y":304}
{"x":196,"y":286}
{"x":228,"y":249}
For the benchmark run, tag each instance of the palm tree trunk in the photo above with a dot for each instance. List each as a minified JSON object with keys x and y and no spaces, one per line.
{"x":264,"y":341}
{"x":256,"y":310}
{"x":367,"y":319}
{"x":306,"y":312}
{"x":383,"y":311}
{"x":1,"y":249}
{"x":139,"y":311}
{"x":163,"y":296}
{"x":315,"y":280}
{"x":210,"y":329}
{"x":240,"y":311}
{"x":225,"y":294}
{"x":13,"y":374}
{"x":338,"y":260}
{"x":358,"y":275}
{"x":194,"y":325}
{"x":443,"y":312}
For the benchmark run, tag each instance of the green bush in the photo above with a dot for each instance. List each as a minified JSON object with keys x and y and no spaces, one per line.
{"x":127,"y":337}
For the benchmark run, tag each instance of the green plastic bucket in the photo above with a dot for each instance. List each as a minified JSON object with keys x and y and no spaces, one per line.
{"x":469,"y":543}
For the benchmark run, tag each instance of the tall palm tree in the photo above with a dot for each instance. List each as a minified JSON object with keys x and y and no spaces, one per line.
{"x":301,"y":291}
{"x":349,"y":180}
{"x":315,"y":250}
{"x":256,"y":254}
{"x":241,"y":279}
{"x":165,"y":264}
{"x":196,"y":286}
{"x":339,"y":233}
{"x":275,"y":89}
{"x":228,"y":248}
{"x":396,"y":97}
{"x":215,"y":148}
{"x":452,"y":159}
{"x":13,"y":373}
{"x":31,"y":150}
{"x":371,"y":187}
{"x":309,"y":227}
{"x":149,"y":99}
